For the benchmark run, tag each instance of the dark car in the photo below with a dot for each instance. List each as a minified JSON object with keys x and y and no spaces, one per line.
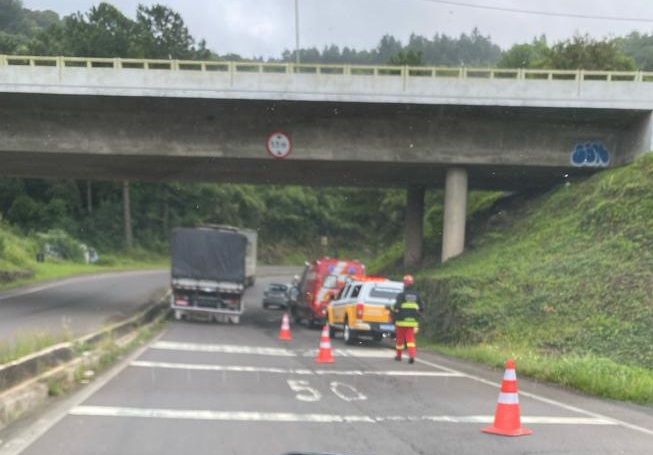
{"x":276,"y":294}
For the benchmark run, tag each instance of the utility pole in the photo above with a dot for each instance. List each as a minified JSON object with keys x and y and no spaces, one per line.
{"x":89,"y":197}
{"x":129,"y":239}
{"x":297,"y":31}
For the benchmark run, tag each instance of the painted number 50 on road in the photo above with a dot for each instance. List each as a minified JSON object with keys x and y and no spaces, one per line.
{"x":343,"y":391}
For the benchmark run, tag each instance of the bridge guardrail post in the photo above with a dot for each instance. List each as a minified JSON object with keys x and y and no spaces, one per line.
{"x":639,"y":76}
{"x":404,"y":77}
{"x":3,"y":60}
{"x":232,"y":70}
{"x":60,"y":66}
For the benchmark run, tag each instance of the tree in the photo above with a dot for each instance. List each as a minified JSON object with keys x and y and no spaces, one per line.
{"x":163,"y":34}
{"x":640,"y":47}
{"x":11,"y":16}
{"x":583,"y":52}
{"x":102,"y":32}
{"x":527,"y":55}
{"x":409,"y":57}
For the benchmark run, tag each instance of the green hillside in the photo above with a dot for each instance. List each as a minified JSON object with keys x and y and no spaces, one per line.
{"x":563,"y":281}
{"x":18,"y":265}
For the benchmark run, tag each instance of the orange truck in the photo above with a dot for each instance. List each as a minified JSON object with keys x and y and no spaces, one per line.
{"x":362,"y":309}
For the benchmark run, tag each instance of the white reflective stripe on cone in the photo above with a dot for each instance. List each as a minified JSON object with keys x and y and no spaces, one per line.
{"x":324,"y":345}
{"x":510,"y":375}
{"x":508,"y":398}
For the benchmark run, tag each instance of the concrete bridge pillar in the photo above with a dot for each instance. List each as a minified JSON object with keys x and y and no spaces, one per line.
{"x":455,"y":211}
{"x":414,"y":226}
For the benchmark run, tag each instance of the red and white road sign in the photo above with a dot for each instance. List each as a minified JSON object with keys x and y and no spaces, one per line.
{"x":279,"y":145}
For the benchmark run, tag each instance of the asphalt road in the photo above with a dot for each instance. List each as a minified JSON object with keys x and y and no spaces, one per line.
{"x":77,"y":305}
{"x":204,"y":388}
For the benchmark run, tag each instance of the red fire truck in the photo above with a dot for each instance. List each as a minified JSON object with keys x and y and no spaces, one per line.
{"x":321,"y":281}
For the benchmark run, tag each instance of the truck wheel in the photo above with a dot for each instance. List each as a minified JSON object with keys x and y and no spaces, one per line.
{"x":332,"y":332}
{"x":235,"y":320}
{"x":377,"y":337}
{"x":265,"y":305}
{"x":349,"y":334}
{"x":179,"y":315}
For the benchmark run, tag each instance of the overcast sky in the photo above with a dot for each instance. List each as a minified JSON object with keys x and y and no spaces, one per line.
{"x":266,"y":27}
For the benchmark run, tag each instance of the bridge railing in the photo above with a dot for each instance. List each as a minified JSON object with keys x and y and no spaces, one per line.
{"x":405,"y":72}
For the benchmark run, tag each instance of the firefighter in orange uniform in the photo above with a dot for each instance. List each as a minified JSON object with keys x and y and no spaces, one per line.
{"x":407,"y":309}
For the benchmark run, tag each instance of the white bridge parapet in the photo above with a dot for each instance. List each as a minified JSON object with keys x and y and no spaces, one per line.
{"x":338,"y":83}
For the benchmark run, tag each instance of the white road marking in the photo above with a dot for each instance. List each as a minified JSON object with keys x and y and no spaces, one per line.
{"x":593,"y":415}
{"x":223,"y":348}
{"x":239,"y":416}
{"x":298,"y":371}
{"x":262,"y":350}
{"x":310,"y":394}
{"x":355,"y":395}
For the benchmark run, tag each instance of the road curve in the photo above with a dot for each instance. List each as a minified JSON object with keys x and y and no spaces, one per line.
{"x":79,"y":305}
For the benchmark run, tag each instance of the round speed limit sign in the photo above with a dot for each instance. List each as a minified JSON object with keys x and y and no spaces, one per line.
{"x":279,"y":145}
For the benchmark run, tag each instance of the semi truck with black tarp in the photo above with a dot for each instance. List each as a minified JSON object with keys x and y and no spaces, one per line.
{"x":208,"y":272}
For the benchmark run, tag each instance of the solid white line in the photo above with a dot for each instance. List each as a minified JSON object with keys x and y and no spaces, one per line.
{"x":262,"y":350}
{"x":223,"y":348}
{"x":250,"y":416}
{"x":542,"y":399}
{"x":255,"y":369}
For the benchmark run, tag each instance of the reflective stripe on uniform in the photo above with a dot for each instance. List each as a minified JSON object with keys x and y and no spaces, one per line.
{"x":406,"y":323}
{"x":410,"y":345}
{"x":409,"y":306}
{"x":400,"y":347}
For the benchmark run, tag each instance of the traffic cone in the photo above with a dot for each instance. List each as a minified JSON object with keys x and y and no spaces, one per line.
{"x":507,"y":417}
{"x":284,"y":332}
{"x":325,"y":355}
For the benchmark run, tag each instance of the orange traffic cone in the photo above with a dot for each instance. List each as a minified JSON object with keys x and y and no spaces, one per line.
{"x":325,"y":355}
{"x":284,"y":332}
{"x":507,"y":418}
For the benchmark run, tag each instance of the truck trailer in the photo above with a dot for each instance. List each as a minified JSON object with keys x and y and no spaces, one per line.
{"x":208,"y":275}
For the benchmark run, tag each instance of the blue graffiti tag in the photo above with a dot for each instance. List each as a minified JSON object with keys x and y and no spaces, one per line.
{"x":590,"y":154}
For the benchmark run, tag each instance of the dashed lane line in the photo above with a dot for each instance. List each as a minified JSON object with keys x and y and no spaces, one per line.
{"x":290,"y":371}
{"x":242,"y":416}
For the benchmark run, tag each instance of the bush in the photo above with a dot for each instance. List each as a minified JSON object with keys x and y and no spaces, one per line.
{"x":59,"y":244}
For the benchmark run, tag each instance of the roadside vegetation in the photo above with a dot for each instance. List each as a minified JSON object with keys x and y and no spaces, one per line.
{"x":19,"y":265}
{"x":563,"y":281}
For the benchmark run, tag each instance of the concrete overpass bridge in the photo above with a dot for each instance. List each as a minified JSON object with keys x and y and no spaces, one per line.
{"x":381,"y":126}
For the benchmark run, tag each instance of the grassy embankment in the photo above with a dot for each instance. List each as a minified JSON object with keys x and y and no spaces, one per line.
{"x":18,"y":265}
{"x":563,"y":282}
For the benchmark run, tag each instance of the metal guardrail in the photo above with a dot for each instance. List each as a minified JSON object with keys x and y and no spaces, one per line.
{"x":327,"y":69}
